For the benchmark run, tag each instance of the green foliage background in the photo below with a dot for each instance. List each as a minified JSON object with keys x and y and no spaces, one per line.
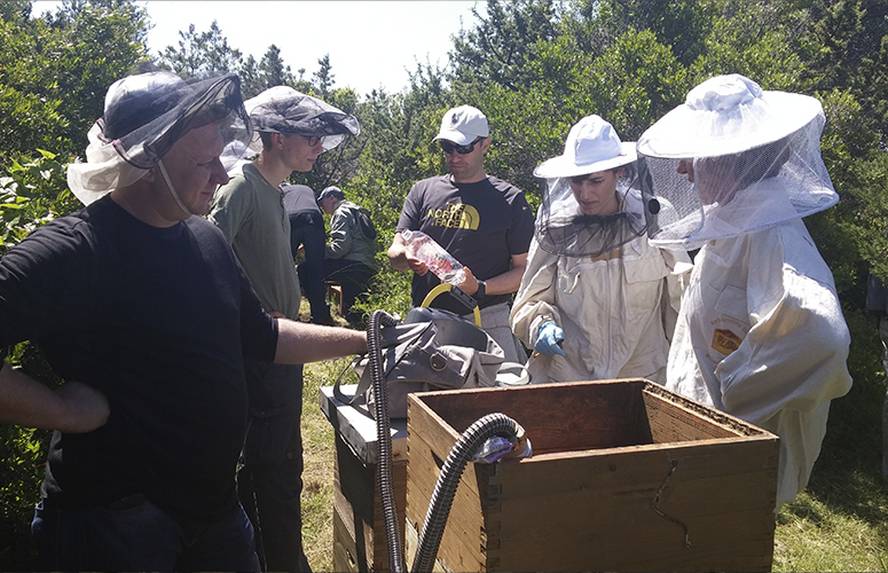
{"x":534,"y":67}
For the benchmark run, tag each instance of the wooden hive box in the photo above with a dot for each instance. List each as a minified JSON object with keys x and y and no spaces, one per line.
{"x":625,"y":476}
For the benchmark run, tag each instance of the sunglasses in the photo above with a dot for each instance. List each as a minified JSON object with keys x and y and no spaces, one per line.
{"x":311,"y":140}
{"x":449,"y":147}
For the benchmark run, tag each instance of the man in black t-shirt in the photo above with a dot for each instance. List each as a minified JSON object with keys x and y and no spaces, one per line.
{"x":482,"y":221}
{"x":144,"y":305}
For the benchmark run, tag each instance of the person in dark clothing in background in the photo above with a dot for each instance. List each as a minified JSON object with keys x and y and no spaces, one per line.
{"x":351,"y":253}
{"x":307,"y":233}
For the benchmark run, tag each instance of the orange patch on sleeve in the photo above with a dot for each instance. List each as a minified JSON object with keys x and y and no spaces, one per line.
{"x":725,"y":342}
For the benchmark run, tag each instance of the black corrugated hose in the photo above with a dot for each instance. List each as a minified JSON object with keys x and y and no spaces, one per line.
{"x":439,"y":509}
{"x":397,"y":564}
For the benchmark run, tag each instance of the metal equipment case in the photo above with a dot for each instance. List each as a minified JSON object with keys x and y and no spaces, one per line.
{"x":625,"y":476}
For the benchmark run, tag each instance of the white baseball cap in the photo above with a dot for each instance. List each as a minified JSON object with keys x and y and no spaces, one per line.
{"x":462,"y":125}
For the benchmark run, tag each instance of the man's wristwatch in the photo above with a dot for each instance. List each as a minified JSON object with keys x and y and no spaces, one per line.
{"x":481,"y":292}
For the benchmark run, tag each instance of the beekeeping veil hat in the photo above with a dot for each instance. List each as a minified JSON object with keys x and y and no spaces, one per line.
{"x":144,"y":116}
{"x":234,"y":156}
{"x":562,"y":228}
{"x":733,"y":159}
{"x":282,"y":109}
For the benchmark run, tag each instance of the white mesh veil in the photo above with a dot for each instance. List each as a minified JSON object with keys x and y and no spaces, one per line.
{"x":733,"y":159}
{"x":144,"y":116}
{"x":282,"y":109}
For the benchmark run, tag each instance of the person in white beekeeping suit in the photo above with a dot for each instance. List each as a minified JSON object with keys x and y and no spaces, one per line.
{"x":596,"y":299}
{"x":760,"y":334}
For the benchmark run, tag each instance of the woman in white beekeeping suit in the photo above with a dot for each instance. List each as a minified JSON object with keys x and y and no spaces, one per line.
{"x":760,"y":334}
{"x":596,"y":300}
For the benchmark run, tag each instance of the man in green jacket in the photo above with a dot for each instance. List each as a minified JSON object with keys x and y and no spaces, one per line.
{"x":351,"y":252}
{"x":293,"y":130}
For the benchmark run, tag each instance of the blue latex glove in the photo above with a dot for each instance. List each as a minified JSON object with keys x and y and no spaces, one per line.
{"x":549,"y":339}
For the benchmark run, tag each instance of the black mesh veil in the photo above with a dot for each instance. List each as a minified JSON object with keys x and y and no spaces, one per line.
{"x":197,"y":104}
{"x":563,"y":229}
{"x":282,"y":109}
{"x":144,"y":116}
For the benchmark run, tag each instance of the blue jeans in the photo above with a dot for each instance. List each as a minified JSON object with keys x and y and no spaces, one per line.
{"x":134,"y":534}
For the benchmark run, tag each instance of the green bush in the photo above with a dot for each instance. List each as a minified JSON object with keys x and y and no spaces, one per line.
{"x":30,"y":196}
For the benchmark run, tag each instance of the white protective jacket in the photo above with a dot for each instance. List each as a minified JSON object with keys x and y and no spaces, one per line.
{"x":761,"y":336}
{"x":617,"y":313}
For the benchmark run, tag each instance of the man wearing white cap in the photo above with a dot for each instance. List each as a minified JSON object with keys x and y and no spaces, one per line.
{"x":293,"y":129}
{"x":760,"y":335}
{"x":596,"y":300}
{"x":482,"y":221}
{"x":143,"y":302}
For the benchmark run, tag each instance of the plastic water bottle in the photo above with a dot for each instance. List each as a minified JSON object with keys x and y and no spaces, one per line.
{"x":422,"y":247}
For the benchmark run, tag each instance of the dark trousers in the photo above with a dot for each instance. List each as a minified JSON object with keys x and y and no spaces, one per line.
{"x":883,"y":335}
{"x":136,"y":535}
{"x":270,"y":481}
{"x":307,"y":231}
{"x":355,"y":279}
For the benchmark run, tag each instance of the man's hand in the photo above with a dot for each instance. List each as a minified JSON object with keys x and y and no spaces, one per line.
{"x":397,"y":254}
{"x":417,"y":266}
{"x":470,"y":284}
{"x":84,"y":409}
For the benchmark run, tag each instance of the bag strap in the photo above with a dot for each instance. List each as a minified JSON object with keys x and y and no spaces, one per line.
{"x":366,"y":223}
{"x":359,"y":392}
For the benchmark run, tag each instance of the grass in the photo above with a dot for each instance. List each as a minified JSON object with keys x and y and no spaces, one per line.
{"x":317,"y":495}
{"x":840,"y":523}
{"x":815,"y":535}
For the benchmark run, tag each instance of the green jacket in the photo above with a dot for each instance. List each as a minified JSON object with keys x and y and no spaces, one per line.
{"x":352,"y":236}
{"x":251,"y":215}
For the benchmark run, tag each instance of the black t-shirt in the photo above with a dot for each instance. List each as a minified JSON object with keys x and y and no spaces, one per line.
{"x":481,"y":224}
{"x":159,"y":320}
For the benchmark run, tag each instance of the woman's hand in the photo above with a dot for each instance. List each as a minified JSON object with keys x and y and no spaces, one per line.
{"x":549,"y":339}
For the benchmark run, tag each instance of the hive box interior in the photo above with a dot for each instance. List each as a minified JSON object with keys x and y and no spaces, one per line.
{"x":566,"y":417}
